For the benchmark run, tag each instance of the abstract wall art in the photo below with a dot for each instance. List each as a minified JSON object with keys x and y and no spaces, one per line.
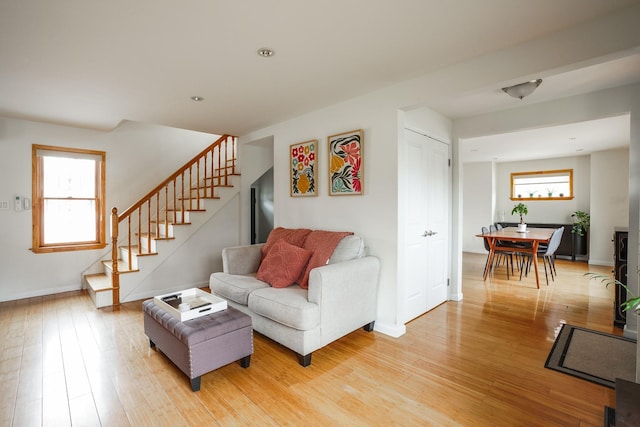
{"x":345,"y":164}
{"x":302,"y":166}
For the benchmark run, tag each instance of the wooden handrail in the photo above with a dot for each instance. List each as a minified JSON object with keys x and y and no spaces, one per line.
{"x":171,"y":195}
{"x":177,"y":173}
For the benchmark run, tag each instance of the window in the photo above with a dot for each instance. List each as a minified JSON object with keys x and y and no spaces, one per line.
{"x":542,"y":185}
{"x":68,"y":199}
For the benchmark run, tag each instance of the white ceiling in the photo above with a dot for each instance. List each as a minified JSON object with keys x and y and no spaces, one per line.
{"x":573,"y":139}
{"x":93,"y":64}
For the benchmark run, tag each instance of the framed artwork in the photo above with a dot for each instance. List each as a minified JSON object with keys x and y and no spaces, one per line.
{"x":345,"y":164}
{"x":302,"y":165}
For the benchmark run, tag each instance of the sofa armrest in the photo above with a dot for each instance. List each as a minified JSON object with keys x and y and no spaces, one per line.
{"x":347,"y":294}
{"x":241,"y":259}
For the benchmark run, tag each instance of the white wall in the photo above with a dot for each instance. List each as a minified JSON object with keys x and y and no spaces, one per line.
{"x":609,"y":202}
{"x":139,"y":156}
{"x":544,"y":211}
{"x":477,"y":190}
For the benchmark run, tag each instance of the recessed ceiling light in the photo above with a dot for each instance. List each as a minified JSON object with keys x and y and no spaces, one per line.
{"x":580,"y":149}
{"x":265,"y":52}
{"x":197,"y":98}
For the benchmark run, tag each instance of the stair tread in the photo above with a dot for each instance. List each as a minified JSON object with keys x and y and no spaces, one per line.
{"x":123,"y":267}
{"x":99,"y":282}
{"x":203,"y":197}
{"x":155,"y":237}
{"x":136,"y":251}
{"x":170,"y":222}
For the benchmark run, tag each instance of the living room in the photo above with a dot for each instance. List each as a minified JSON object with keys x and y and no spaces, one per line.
{"x":381,"y":113}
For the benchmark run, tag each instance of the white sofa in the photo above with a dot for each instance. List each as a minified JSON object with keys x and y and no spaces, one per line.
{"x":341,"y":296}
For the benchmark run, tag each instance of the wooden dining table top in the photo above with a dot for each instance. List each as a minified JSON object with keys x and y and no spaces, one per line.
{"x":512,"y":234}
{"x":496,"y":240}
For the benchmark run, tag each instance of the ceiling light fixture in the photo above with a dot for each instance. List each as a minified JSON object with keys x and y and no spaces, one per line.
{"x":197,"y":98}
{"x":266,"y":52}
{"x":522,"y":89}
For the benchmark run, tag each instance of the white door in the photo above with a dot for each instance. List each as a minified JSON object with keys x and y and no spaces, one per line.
{"x":427,"y":224}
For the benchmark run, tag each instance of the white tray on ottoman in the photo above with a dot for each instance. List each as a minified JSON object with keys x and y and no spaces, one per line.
{"x":201,"y":303}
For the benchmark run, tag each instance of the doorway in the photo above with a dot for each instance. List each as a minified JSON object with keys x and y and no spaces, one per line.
{"x":262,"y":207}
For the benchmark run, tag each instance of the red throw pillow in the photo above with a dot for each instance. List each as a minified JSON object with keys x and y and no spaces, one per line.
{"x":283,"y":264}
{"x":295,"y":236}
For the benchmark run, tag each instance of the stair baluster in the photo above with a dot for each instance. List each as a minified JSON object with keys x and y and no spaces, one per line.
{"x":172,"y":200}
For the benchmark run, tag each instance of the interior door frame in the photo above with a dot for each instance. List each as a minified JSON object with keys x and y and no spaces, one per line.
{"x":402,"y":201}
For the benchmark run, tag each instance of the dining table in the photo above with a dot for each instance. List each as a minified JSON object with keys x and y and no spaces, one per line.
{"x":534,"y":236}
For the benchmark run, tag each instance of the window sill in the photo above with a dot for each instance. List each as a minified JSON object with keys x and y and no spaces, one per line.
{"x":542,"y":198}
{"x":68,"y":248}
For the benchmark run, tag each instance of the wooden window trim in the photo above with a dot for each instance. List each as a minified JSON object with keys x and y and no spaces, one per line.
{"x":542,"y":198}
{"x":37,"y":205}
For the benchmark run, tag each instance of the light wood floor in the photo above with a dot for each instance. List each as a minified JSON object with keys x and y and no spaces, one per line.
{"x":473,"y":363}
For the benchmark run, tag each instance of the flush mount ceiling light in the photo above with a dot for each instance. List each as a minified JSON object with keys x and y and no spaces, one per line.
{"x":265,"y":52}
{"x":197,"y":98}
{"x":522,"y":89}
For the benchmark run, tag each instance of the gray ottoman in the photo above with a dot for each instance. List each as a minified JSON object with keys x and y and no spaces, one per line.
{"x":203,"y":344}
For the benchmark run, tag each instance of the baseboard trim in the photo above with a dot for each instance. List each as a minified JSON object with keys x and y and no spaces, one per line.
{"x":605,"y":263}
{"x":40,"y":293}
{"x":394,"y":331}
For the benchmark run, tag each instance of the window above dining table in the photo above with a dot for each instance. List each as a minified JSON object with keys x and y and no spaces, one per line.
{"x":542,"y":185}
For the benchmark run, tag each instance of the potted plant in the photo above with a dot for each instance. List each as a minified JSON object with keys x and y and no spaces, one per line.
{"x":520,"y":209}
{"x":632,"y":302}
{"x":581,"y":223}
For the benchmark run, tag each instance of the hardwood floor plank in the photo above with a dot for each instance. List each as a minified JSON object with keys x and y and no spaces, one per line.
{"x":8,"y":391}
{"x":83,"y":411}
{"x":28,"y":413}
{"x":55,"y":405}
{"x":477,"y":362}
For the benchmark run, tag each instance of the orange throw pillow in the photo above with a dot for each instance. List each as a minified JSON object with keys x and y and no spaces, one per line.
{"x":294,"y":236}
{"x":321,"y":243}
{"x":283,"y":264}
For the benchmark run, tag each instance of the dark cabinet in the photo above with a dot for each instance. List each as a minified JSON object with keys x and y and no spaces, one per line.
{"x":620,"y":243}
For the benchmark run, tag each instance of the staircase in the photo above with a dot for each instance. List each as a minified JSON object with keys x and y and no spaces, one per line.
{"x":153,"y":226}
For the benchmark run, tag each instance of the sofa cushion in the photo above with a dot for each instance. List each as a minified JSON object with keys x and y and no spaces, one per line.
{"x":295,"y":236}
{"x":350,"y":247}
{"x":283,"y":264}
{"x":235,"y":287}
{"x":322,"y":245}
{"x":288,"y":306}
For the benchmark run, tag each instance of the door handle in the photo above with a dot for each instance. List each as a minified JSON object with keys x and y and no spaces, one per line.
{"x":429,"y":233}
